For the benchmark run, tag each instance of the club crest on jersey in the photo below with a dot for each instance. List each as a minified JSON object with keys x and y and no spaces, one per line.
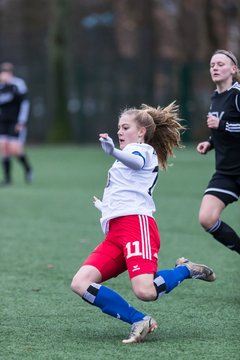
{"x":219,"y":115}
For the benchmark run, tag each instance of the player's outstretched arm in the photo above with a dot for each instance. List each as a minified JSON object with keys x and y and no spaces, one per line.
{"x":132,"y":161}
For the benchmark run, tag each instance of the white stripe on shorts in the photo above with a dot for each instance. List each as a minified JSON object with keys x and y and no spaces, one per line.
{"x":145,"y":237}
{"x":222,"y":191}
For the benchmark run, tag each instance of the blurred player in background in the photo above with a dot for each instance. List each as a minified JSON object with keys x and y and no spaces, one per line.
{"x":147,"y":137}
{"x":14,"y":112}
{"x":224,"y":122}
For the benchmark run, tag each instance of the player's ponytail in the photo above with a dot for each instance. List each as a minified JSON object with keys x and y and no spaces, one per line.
{"x":163,"y":128}
{"x":167,"y":134}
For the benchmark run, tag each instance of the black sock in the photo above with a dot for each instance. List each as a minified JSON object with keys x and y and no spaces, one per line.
{"x":225,"y":235}
{"x":160,"y":284}
{"x":23,"y":159}
{"x":6,"y":164}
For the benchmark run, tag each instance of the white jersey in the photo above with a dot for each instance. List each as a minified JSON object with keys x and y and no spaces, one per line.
{"x":129,"y":192}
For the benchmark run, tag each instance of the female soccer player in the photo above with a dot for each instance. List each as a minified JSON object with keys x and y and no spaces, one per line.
{"x":224,"y":122}
{"x":14,"y":113}
{"x":147,"y":137}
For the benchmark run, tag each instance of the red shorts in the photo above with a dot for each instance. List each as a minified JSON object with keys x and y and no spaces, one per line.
{"x":132,"y":244}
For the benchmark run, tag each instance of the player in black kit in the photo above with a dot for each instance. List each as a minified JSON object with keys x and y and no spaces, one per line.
{"x":14,"y":111}
{"x":224,"y":122}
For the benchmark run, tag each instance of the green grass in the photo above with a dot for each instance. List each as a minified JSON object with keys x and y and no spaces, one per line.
{"x":48,"y":229}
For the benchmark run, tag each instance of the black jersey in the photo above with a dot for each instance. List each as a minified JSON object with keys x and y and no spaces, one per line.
{"x":226,"y":139}
{"x":14,"y":106}
{"x":9,"y":103}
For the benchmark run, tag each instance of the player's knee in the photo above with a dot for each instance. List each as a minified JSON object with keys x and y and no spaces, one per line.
{"x":145,"y":293}
{"x":203,"y":220}
{"x":207,"y":220}
{"x":76,"y":286}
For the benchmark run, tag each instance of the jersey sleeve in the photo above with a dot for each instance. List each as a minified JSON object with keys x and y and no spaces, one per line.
{"x":237,"y":102}
{"x":231,"y":127}
{"x":21,"y":86}
{"x":141,"y":150}
{"x":129,"y":159}
{"x":136,"y":149}
{"x":23,"y":112}
{"x":210,"y":142}
{"x":22,"y":92}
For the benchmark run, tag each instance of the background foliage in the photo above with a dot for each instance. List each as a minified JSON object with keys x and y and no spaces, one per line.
{"x":84,"y":60}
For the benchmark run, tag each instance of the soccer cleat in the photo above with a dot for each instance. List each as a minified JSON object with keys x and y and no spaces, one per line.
{"x":140,"y":329}
{"x":197,"y":271}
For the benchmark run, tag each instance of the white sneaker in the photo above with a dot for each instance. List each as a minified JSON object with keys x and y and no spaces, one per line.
{"x":197,"y":271}
{"x":140,"y":329}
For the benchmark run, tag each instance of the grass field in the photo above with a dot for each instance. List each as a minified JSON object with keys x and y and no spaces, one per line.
{"x":50,"y":226}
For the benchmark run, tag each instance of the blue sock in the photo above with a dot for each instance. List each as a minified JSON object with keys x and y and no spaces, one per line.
{"x":111,"y":303}
{"x":166,"y":280}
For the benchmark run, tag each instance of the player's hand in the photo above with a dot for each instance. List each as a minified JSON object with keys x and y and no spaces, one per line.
{"x":97,"y":203}
{"x":203,"y":147}
{"x":106,"y":143}
{"x":18,"y":127}
{"x":212,"y":122}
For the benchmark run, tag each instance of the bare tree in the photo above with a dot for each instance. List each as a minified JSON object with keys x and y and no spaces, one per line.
{"x":60,"y":129}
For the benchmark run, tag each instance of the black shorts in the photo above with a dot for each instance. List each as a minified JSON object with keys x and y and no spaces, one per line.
{"x":224,"y":187}
{"x":8,"y":132}
{"x":8,"y":129}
